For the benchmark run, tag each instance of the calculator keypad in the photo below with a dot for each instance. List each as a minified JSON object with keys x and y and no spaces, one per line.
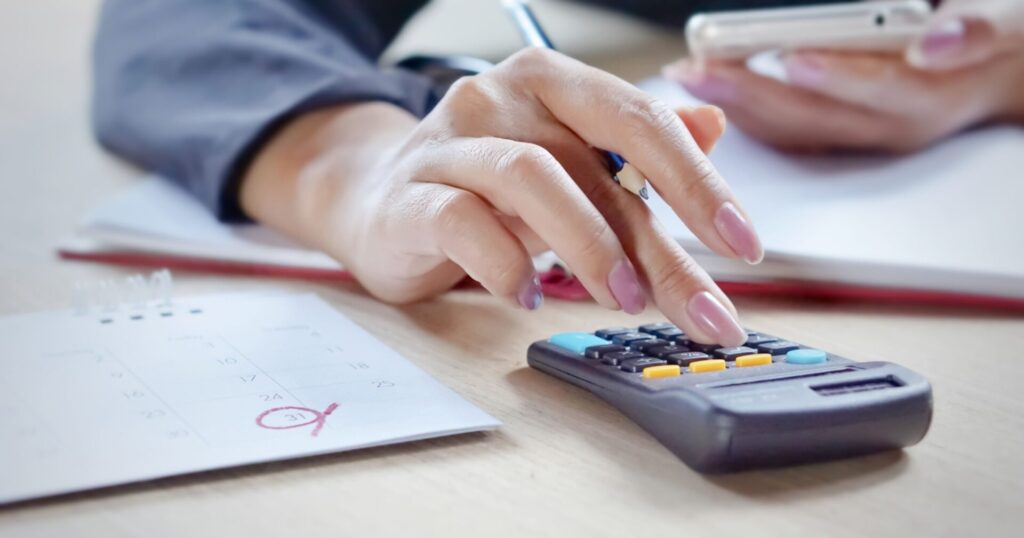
{"x":667,"y":352}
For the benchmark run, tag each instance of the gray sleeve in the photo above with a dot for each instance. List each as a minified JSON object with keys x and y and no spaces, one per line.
{"x":191,"y":88}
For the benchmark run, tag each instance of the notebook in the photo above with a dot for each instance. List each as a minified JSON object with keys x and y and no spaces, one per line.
{"x":139,"y":391}
{"x":941,"y":226}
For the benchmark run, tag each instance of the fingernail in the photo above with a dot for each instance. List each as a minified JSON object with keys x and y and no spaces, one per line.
{"x":702,"y":84}
{"x":944,"y":40}
{"x":530,"y":296}
{"x":625,"y":287}
{"x":805,"y":70}
{"x":713,"y":318}
{"x":738,"y":233}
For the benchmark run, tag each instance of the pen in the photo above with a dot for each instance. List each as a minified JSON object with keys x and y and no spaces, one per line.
{"x":529,"y":28}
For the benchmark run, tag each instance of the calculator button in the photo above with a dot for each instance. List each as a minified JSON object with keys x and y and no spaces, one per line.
{"x":684,"y":359}
{"x":703,"y":348}
{"x":758,"y":339}
{"x":596,"y":352}
{"x":615,"y":358}
{"x":682,"y":340}
{"x":608,"y":333}
{"x":730,"y":353}
{"x":638,"y":365}
{"x":709,"y":365}
{"x":665,"y":370}
{"x":626,"y":339}
{"x":644,"y":345}
{"x":662,"y":351}
{"x":761,"y":359}
{"x":777,"y":348}
{"x":577,"y":342}
{"x":650,"y":328}
{"x":668,"y":334}
{"x":806,"y":356}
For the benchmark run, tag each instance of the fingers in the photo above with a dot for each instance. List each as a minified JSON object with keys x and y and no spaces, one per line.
{"x":789,"y":117}
{"x":611,"y":114}
{"x":467,"y":231}
{"x":681,"y":289}
{"x":525,"y":180}
{"x":706,"y":124}
{"x":969,"y":32}
{"x":871,"y":81}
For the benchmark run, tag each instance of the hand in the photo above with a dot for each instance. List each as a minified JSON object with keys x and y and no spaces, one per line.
{"x":966,"y":70}
{"x":504,"y":166}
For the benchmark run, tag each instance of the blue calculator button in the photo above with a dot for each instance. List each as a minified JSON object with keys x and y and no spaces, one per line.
{"x":806,"y":356}
{"x":577,"y":342}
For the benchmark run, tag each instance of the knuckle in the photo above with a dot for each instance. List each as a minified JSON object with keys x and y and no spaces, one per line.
{"x":452,"y":213}
{"x":676,"y":277}
{"x":531,"y":58}
{"x":645,"y":116}
{"x":701,"y":182}
{"x":523,"y":163}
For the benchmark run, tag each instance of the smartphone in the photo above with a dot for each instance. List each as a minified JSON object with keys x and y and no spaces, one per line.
{"x":862,"y":26}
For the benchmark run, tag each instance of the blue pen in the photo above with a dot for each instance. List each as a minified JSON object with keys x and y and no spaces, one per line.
{"x":529,"y":28}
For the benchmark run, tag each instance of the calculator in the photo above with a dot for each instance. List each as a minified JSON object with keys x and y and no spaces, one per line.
{"x":770,"y":402}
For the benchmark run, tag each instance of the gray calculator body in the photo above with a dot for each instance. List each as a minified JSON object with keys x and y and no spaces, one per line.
{"x":765,"y":416}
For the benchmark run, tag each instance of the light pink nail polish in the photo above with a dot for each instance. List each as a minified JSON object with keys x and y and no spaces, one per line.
{"x":738,"y":233}
{"x":712,"y":89}
{"x":530,"y":295}
{"x":625,"y":287}
{"x":805,"y":70}
{"x":944,"y":39}
{"x":713,"y":318}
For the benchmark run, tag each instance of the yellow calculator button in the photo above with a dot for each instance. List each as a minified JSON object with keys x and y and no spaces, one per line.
{"x":665,"y":370}
{"x":709,"y":365}
{"x":759,"y":359}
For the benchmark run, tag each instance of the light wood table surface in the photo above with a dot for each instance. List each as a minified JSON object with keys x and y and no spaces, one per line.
{"x":564,"y":463}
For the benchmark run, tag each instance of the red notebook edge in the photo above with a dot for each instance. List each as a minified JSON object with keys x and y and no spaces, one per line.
{"x":557,"y":283}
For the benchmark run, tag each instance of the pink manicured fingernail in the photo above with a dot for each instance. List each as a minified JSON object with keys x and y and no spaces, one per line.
{"x":713,"y":318}
{"x":625,"y":287}
{"x":738,"y":233}
{"x":701,"y":84}
{"x":944,"y":41}
{"x":530,"y":296}
{"x":805,"y":69}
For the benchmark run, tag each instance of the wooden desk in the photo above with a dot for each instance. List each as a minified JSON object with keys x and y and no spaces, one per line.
{"x":564,"y":463}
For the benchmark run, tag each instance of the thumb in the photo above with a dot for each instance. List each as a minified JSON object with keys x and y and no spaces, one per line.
{"x":968,"y":32}
{"x":706,"y":124}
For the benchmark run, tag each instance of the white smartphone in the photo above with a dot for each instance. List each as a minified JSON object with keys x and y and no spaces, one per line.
{"x":888,"y":25}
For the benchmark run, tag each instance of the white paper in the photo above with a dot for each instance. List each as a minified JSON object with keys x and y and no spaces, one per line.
{"x":206,"y":383}
{"x":948,"y":218}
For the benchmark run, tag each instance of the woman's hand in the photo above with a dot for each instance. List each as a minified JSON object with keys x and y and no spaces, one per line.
{"x":967,"y":69}
{"x":505,"y":166}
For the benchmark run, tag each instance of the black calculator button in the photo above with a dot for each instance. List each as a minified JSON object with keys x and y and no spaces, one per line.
{"x":644,"y":345}
{"x":703,"y":348}
{"x":616,"y":357}
{"x":662,"y":351}
{"x":758,"y":339}
{"x":730,"y":353}
{"x":651,"y":328}
{"x":681,"y":340}
{"x":668,"y":334}
{"x":625,"y":339}
{"x":608,"y":333}
{"x":596,"y":352}
{"x":684,"y":359}
{"x":777,"y":348}
{"x":638,"y":365}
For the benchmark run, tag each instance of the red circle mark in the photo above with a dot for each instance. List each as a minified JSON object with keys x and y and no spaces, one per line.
{"x":319,"y":418}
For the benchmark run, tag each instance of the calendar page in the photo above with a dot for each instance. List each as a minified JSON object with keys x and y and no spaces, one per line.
{"x":97,"y":399}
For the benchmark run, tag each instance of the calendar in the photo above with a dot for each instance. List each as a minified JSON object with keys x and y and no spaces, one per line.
{"x":105,"y":396}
